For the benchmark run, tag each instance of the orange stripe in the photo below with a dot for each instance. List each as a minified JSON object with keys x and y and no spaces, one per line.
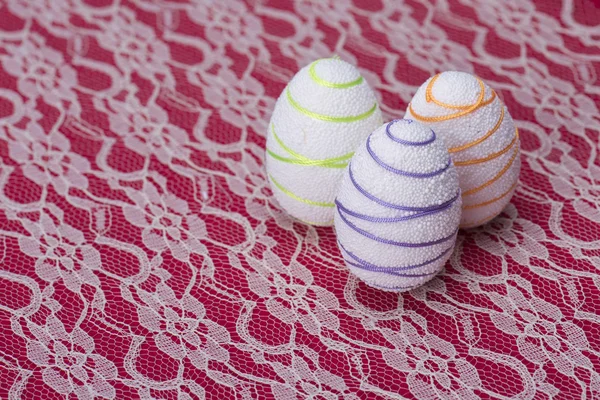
{"x":466,"y":110}
{"x":486,"y":203}
{"x":431,"y":99}
{"x":484,"y":137}
{"x":495,"y":178}
{"x":429,"y":96}
{"x":423,"y":118}
{"x":491,"y":156}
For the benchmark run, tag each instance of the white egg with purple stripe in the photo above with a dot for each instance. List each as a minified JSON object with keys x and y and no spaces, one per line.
{"x":398,"y":207}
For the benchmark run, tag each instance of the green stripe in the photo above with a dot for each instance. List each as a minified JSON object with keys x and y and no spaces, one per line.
{"x":352,"y":118}
{"x":299,"y":159}
{"x":319,"y":81}
{"x":293,"y":196}
{"x":315,"y":163}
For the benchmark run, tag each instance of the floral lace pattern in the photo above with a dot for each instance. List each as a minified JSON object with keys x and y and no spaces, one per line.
{"x":143,"y":255}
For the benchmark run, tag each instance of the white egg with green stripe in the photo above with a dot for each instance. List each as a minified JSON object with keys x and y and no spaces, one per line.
{"x":325,"y":112}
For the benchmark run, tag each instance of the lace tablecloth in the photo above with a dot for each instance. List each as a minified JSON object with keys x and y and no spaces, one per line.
{"x":143,"y":255}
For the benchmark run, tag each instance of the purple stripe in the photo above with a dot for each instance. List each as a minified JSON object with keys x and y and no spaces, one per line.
{"x":392,"y":242}
{"x":396,"y":206}
{"x":402,"y":172}
{"x":420,"y":214}
{"x":367,"y":266}
{"x":396,"y":273}
{"x":407,"y":142}
{"x":392,"y":288}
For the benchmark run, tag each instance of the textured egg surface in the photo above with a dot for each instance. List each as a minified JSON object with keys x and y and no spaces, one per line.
{"x":399,"y":206}
{"x":319,"y":120}
{"x":480,"y":135}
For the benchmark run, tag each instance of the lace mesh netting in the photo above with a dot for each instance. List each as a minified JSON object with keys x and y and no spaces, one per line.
{"x":143,"y":255}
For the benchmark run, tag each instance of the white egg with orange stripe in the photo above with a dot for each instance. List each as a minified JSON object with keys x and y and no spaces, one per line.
{"x":321,"y":117}
{"x":481,"y":138}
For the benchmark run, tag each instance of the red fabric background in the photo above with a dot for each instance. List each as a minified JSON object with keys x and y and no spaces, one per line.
{"x":143,"y":256}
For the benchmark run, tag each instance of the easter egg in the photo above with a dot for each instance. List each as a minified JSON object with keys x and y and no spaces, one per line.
{"x":323,"y":114}
{"x":480,"y":135}
{"x":398,"y":208}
